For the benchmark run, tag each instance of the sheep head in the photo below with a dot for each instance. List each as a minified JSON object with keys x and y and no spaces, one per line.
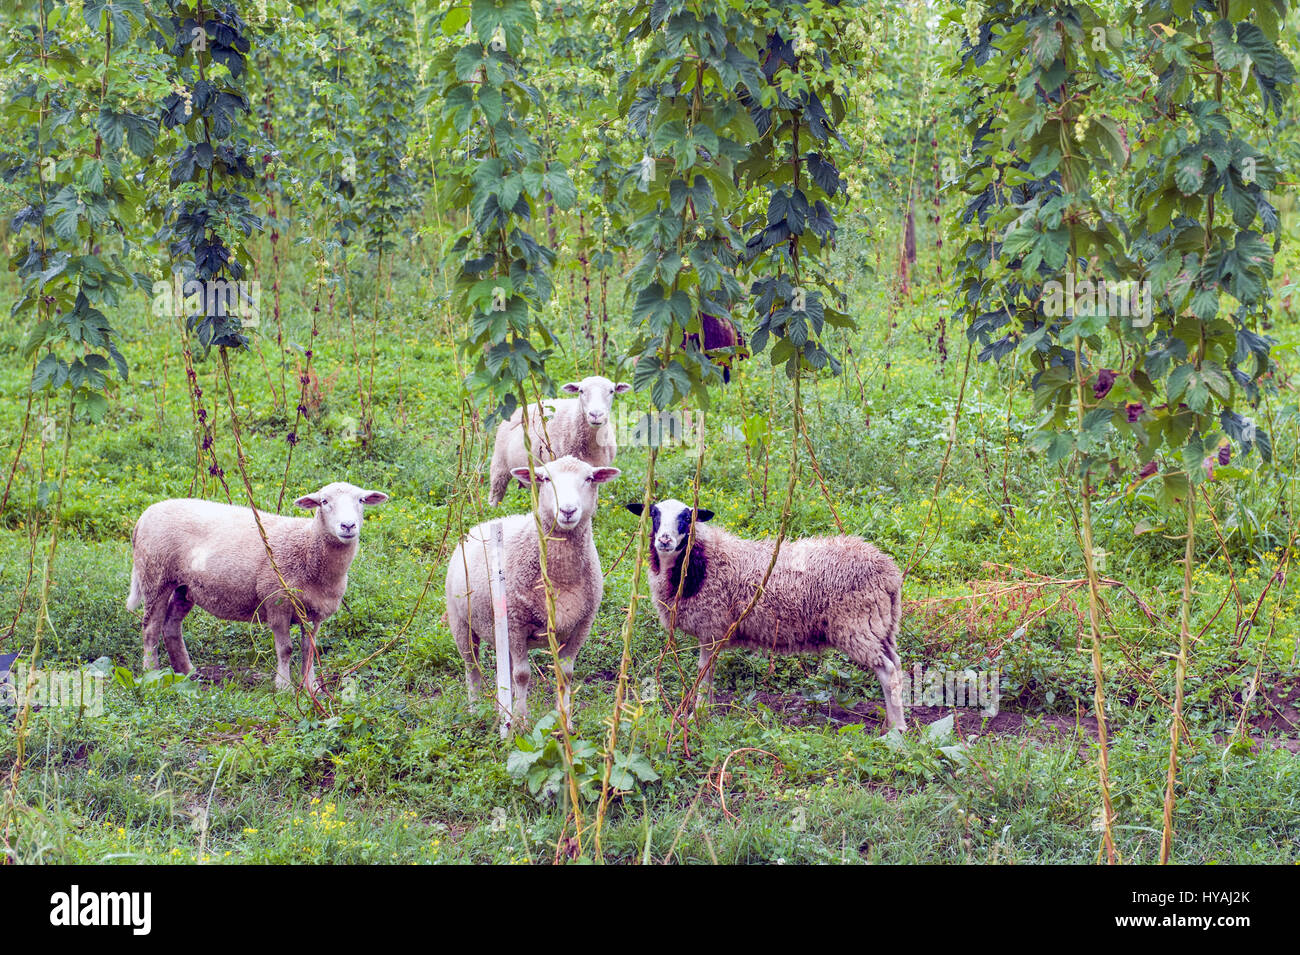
{"x":671,"y":520}
{"x":566,"y":490}
{"x":340,"y":508}
{"x":596,"y":397}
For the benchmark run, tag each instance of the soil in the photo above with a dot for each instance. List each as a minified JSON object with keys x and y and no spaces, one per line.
{"x":218,"y":675}
{"x":1280,"y":724}
{"x":1279,"y":727}
{"x":799,"y":711}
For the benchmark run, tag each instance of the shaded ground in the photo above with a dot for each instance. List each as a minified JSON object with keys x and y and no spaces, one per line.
{"x":966,"y":721}
{"x":218,"y":675}
{"x":1278,"y":726}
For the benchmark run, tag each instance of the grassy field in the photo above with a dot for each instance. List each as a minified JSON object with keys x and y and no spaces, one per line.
{"x":791,"y":765}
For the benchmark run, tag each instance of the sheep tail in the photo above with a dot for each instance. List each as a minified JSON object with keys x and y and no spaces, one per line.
{"x":133,"y":598}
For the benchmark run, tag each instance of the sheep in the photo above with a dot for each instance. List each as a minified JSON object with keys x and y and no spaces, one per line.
{"x":566,"y":498}
{"x":578,"y":426}
{"x":824,"y":592}
{"x":188,"y":552}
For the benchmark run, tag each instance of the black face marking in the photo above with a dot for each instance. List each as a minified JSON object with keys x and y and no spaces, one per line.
{"x":698,"y":563}
{"x":654,"y":533}
{"x":683,"y":528}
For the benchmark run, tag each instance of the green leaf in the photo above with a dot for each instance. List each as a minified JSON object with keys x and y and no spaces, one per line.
{"x":1189,"y":173}
{"x":560,"y":186}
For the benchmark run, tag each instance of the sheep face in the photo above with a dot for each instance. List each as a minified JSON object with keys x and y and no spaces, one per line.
{"x":340,"y":508}
{"x":566,"y":490}
{"x":671,"y":523}
{"x":596,"y":397}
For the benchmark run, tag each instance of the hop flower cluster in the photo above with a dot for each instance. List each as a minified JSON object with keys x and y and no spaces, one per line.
{"x":187,"y":96}
{"x":971,"y":18}
{"x":1081,"y":127}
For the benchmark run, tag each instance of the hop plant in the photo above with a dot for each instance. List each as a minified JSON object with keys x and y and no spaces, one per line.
{"x":1081,"y":127}
{"x":971,"y":18}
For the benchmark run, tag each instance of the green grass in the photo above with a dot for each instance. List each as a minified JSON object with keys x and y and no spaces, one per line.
{"x":401,"y":768}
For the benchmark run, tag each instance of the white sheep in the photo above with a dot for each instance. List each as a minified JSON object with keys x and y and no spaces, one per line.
{"x":188,"y":553}
{"x":558,"y":426}
{"x":566,"y":499}
{"x":824,"y":593}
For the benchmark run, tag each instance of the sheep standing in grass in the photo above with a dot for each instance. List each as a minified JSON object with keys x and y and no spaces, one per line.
{"x":188,"y":553}
{"x":566,"y":499}
{"x":824,"y":593}
{"x":578,"y":426}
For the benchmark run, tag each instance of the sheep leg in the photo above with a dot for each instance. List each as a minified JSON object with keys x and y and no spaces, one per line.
{"x":520,"y":673}
{"x":178,"y":605}
{"x":889,"y":673}
{"x":467,"y":642}
{"x":568,"y":656}
{"x":307,"y":642}
{"x":155,"y":611}
{"x":473,"y":672}
{"x":708,"y":656}
{"x":281,"y":627}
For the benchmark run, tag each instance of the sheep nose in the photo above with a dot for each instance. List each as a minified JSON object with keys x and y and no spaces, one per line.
{"x":347,"y":527}
{"x":568,"y":511}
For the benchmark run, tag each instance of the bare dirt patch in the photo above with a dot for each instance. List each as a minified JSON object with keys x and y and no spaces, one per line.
{"x":1278,"y":727}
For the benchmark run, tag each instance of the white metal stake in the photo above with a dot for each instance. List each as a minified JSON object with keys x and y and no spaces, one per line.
{"x":501,"y":628}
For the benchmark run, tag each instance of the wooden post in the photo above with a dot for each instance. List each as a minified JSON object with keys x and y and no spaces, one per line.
{"x":501,"y":629}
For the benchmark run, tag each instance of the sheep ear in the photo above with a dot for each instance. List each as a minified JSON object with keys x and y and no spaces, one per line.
{"x":703,"y":514}
{"x":601,"y":475}
{"x":572,"y":388}
{"x":374,"y":497}
{"x":622,"y":388}
{"x":522,"y":475}
{"x":307,"y":502}
{"x":636,"y":507}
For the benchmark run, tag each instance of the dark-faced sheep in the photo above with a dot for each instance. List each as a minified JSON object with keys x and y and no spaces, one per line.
{"x":189,"y":553}
{"x":824,"y":593}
